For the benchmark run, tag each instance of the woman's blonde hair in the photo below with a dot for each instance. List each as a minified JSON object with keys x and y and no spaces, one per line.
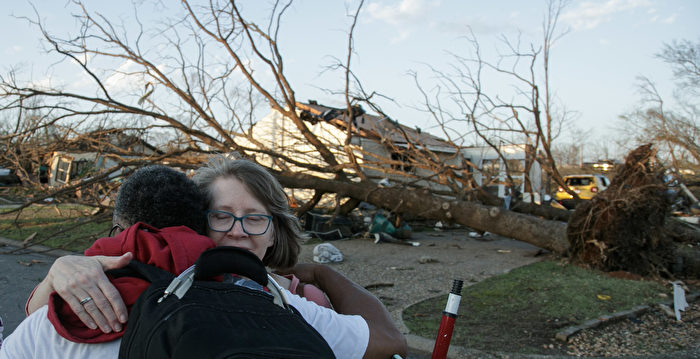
{"x":266,"y":189}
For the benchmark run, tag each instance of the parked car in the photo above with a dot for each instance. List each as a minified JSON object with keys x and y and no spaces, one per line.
{"x":586,"y":187}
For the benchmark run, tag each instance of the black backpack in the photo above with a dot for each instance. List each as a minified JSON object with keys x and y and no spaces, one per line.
{"x":189,"y":317}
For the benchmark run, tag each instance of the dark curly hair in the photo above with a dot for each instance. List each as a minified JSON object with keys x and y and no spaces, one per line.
{"x":162,"y":197}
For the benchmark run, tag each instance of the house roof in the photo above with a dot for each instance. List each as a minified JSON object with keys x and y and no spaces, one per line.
{"x":108,"y":140}
{"x":372,"y":126}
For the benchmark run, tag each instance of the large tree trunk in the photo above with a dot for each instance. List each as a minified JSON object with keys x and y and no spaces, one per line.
{"x":543,"y":233}
{"x":543,"y":211}
{"x":546,"y":234}
{"x":679,"y":231}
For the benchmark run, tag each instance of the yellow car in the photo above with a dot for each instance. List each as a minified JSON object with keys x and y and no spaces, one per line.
{"x":585,"y":186}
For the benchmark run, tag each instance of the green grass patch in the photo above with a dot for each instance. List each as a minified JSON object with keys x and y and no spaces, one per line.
{"x":66,"y":226}
{"x":522,"y":311}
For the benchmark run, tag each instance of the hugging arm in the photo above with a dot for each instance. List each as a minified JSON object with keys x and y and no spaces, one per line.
{"x":75,"y":278}
{"x":347,"y":297}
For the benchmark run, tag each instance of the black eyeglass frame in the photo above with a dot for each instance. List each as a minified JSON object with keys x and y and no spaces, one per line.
{"x":236,"y":219}
{"x":114,"y":228}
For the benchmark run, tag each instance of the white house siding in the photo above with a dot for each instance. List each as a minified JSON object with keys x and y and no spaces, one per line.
{"x":481,"y":155}
{"x":279,"y":133}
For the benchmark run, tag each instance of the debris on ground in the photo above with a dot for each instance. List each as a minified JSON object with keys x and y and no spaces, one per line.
{"x":650,"y":333}
{"x":29,"y":238}
{"x":382,"y":224}
{"x":327,"y":227}
{"x":382,"y":237}
{"x":29,"y":263}
{"x":378,"y":285}
{"x":327,"y":253}
{"x":679,"y":302}
{"x":427,"y":259}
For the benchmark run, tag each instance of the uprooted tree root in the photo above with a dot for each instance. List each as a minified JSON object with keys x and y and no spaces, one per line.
{"x":622,"y":227}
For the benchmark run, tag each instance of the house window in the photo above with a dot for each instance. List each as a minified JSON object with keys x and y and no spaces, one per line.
{"x":62,"y":170}
{"x":80,"y":168}
{"x":515,"y":167}
{"x":405,"y":162}
{"x":491,"y":168}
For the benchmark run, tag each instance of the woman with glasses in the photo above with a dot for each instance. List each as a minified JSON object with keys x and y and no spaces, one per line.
{"x":249,"y":209}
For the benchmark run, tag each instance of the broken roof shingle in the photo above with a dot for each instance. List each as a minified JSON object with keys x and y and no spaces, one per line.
{"x":368,"y":125}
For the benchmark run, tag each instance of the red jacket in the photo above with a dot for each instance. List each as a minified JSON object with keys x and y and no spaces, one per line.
{"x":173,"y":249}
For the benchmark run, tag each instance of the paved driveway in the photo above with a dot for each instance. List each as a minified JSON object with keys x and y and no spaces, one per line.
{"x":20,"y":271}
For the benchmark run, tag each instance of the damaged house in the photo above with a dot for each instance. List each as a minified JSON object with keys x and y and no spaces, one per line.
{"x":94,"y":152}
{"x":387,"y":151}
{"x":492,"y":173}
{"x":379,"y":144}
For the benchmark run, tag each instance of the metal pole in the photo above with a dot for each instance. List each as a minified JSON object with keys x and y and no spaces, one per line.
{"x":449,"y":316}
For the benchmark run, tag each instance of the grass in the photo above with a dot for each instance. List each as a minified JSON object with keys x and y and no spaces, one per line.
{"x":66,"y":226}
{"x":521,"y":311}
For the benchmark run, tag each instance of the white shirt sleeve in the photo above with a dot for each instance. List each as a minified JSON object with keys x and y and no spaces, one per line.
{"x":20,"y":344}
{"x":347,"y":335}
{"x":36,"y":338}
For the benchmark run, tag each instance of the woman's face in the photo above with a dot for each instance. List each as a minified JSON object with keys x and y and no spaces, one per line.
{"x":231,"y":195}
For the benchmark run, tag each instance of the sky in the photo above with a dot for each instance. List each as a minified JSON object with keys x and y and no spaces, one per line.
{"x":593,"y":68}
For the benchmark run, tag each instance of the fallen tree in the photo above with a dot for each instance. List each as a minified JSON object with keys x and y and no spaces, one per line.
{"x":622,"y":228}
{"x":552,"y":235}
{"x":679,"y":231}
{"x":547,"y":234}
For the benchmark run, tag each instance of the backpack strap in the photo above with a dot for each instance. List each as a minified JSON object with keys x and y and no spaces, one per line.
{"x":226,"y":259}
{"x":211,"y":263}
{"x":141,"y":270}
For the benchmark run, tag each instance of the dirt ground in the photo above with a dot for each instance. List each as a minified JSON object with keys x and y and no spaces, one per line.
{"x":401,"y":275}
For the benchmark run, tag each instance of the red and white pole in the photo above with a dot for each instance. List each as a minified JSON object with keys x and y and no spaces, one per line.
{"x":447,"y":323}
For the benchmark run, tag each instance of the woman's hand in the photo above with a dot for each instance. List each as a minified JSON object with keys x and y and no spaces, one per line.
{"x":306,"y":272}
{"x":76,"y":278}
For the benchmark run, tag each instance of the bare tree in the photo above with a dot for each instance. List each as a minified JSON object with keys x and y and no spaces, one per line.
{"x":571,"y":153}
{"x":196,"y":81}
{"x":674,"y":128}
{"x":525,"y":113}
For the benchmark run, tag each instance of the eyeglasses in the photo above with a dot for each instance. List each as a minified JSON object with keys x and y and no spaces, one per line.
{"x":252,"y":224}
{"x":114,"y":229}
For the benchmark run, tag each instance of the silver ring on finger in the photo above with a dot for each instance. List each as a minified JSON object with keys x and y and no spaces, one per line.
{"x":85,"y":300}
